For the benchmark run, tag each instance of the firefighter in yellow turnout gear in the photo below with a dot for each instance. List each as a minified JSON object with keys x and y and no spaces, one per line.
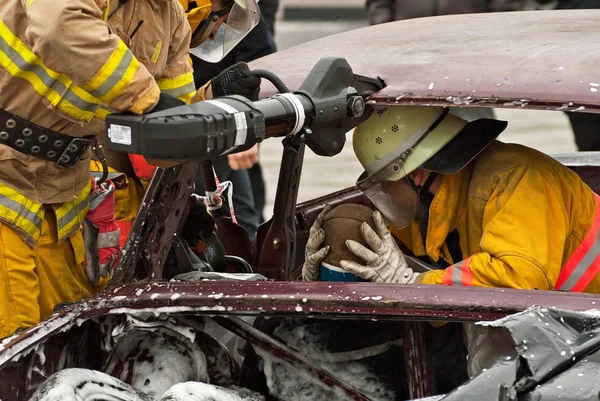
{"x":485,"y":213}
{"x":482,"y":212}
{"x":211,"y":39}
{"x":61,"y":70}
{"x":490,"y":214}
{"x":65,"y":65}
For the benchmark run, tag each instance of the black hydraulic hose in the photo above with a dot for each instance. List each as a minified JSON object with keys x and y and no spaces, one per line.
{"x":246,"y":268}
{"x":274,"y":79}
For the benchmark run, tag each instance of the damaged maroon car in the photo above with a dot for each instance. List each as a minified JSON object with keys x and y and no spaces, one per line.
{"x":233,"y":321}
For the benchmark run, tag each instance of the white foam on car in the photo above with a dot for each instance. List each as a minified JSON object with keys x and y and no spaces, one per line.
{"x":156,"y":360}
{"x":195,"y":391}
{"x":84,"y":384}
{"x":290,"y":383}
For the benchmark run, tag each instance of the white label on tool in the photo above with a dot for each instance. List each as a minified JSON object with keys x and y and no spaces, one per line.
{"x":242,"y":128}
{"x":120,"y":134}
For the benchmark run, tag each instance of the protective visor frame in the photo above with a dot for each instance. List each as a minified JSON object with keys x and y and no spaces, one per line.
{"x":241,"y":20}
{"x":397,"y":200}
{"x":366,"y":181}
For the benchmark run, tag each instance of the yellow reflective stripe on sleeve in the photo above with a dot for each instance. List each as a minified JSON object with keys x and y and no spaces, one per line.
{"x":21,"y":212}
{"x":28,"y":3}
{"x":115,"y":75}
{"x":60,"y":91}
{"x":175,"y":82}
{"x":181,"y":87}
{"x":71,"y":214}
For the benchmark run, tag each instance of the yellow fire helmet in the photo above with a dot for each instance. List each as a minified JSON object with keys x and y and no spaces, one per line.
{"x":235,"y":19}
{"x":196,"y":11}
{"x":398,"y":140}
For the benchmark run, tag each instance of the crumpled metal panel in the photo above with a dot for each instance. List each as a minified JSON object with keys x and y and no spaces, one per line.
{"x":558,"y":358}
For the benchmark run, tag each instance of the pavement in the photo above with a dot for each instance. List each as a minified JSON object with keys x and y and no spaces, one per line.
{"x":547,"y":131}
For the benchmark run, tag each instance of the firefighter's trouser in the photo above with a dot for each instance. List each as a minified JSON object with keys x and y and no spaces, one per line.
{"x":33,"y":281}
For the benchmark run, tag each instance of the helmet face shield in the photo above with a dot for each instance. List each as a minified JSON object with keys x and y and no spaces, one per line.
{"x":242,"y":18}
{"x":396,"y":200}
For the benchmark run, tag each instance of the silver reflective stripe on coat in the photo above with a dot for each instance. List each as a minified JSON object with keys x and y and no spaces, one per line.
{"x":74,"y":212}
{"x":115,"y":77}
{"x":22,"y":211}
{"x":457,"y":273}
{"x":181,"y":91}
{"x":582,"y":267}
{"x":46,"y":79}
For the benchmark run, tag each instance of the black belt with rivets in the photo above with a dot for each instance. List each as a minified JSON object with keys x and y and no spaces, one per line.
{"x":40,"y":142}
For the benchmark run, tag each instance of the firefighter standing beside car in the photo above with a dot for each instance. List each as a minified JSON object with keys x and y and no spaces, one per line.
{"x":64,"y":65}
{"x":216,"y":27}
{"x":482,"y":212}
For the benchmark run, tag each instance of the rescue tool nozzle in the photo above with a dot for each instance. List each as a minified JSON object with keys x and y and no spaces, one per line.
{"x":327,"y":105}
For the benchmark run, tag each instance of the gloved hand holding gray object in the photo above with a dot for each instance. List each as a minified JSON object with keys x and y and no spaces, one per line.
{"x":314,"y":254}
{"x":236,"y":80}
{"x":385,"y":262}
{"x":101,"y":234}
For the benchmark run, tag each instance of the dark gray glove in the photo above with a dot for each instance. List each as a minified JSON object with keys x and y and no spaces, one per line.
{"x":199,"y":224}
{"x":236,"y":80}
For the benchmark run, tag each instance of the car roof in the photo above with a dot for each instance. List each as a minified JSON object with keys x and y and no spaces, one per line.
{"x":531,"y":59}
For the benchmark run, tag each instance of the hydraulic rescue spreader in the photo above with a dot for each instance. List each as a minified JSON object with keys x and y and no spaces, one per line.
{"x":328,"y":104}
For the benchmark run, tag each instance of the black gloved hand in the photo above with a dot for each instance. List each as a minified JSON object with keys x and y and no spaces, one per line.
{"x":166,"y":102}
{"x":199,"y":224}
{"x":236,"y":80}
{"x":214,"y":252}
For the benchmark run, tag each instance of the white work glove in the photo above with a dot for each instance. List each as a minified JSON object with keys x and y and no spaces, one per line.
{"x":314,"y":254}
{"x":385,"y":262}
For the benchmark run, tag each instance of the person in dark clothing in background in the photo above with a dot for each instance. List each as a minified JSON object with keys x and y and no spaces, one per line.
{"x":561,"y":4}
{"x":571,"y":4}
{"x":268,"y":10}
{"x":381,"y":11}
{"x":242,"y":169}
{"x":585,"y":129}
